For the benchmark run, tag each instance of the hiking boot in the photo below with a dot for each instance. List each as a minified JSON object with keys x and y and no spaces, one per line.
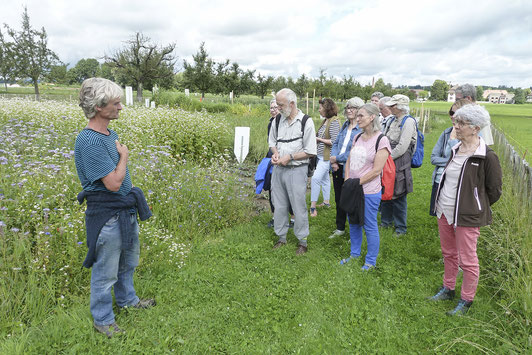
{"x":336,"y":233}
{"x":270,"y":224}
{"x":142,"y":304}
{"x":279,"y":244}
{"x":443,"y":294}
{"x":461,"y":308}
{"x":108,"y":330}
{"x":302,"y":249}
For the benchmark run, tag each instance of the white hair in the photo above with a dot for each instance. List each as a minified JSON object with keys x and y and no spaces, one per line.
{"x":97,"y":92}
{"x":403,"y":108}
{"x":290,"y":95}
{"x":476,"y":115}
{"x":378,"y":94}
{"x":467,"y":90}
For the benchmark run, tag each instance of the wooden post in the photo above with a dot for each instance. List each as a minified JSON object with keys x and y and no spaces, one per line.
{"x":313,"y":96}
{"x":307,"y":104}
{"x":422,"y":117}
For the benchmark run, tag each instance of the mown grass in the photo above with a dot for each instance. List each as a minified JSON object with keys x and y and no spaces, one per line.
{"x":224,"y":289}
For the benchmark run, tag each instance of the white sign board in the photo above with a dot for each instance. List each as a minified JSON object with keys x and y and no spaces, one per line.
{"x":231,"y":95}
{"x":241,"y":149}
{"x":153,"y":104}
{"x":148,"y":103}
{"x":187,"y":92}
{"x":129,"y":95}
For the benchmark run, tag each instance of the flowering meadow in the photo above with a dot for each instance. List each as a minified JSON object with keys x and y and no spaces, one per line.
{"x":178,"y":158}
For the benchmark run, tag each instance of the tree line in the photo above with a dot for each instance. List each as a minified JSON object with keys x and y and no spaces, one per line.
{"x":140,"y":63}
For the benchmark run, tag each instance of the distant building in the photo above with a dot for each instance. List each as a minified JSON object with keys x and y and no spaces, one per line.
{"x":498,"y":96}
{"x":451,"y":94}
{"x":529,"y":98}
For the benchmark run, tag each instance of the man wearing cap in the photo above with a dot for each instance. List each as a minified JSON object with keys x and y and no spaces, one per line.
{"x":292,"y":145}
{"x":403,"y":142}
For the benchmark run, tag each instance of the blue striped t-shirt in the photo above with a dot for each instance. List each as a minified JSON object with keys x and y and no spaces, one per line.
{"x":96,"y":157}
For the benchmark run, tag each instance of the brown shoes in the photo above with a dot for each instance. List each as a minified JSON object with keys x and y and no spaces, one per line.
{"x":301,"y":250}
{"x":279,"y":244}
{"x":109,"y":330}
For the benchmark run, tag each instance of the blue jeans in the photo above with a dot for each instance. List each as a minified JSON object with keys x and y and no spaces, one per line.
{"x":113,"y":267}
{"x":394,"y":212}
{"x":371,"y":207}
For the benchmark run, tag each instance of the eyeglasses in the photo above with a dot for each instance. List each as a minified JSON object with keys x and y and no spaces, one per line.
{"x":273,"y":108}
{"x":461,"y":123}
{"x":350,"y":108}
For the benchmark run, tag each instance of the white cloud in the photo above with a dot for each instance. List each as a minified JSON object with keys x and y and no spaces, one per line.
{"x":404,"y":42}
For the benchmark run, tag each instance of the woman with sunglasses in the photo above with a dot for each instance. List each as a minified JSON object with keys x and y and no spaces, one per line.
{"x":442,"y":152}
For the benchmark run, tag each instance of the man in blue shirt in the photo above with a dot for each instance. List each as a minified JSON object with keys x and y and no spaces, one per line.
{"x":112,"y":204}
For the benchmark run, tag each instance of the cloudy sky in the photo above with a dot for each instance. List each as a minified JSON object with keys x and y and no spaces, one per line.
{"x":405,"y":42}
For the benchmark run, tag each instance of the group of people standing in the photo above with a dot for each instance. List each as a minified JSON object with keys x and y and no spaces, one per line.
{"x":467,"y":178}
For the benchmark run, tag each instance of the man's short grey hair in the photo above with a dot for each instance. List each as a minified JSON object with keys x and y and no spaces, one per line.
{"x":373,"y":110}
{"x":379,"y":94}
{"x":97,"y":92}
{"x":384,"y":99}
{"x":476,"y":115}
{"x":467,"y":90}
{"x":289,"y":94}
{"x":403,"y":108}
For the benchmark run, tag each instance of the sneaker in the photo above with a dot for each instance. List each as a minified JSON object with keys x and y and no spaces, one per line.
{"x":461,"y":308}
{"x":443,"y":294}
{"x":302,"y":249}
{"x":336,"y":233}
{"x":109,"y":330}
{"x":270,"y":224}
{"x":142,"y":304}
{"x":367,"y":267}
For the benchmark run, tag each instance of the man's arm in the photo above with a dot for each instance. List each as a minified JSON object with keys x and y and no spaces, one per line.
{"x":114,"y":180}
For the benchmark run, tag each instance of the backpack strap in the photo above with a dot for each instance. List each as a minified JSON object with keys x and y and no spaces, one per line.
{"x":376,"y":144}
{"x":404,"y":120}
{"x":303,"y":123}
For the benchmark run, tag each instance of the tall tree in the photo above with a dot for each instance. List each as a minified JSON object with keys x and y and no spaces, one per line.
{"x":143,"y":63}
{"x":520,"y":97}
{"x":438,"y":91}
{"x":199,"y":75}
{"x":58,"y":74}
{"x":84,"y":69}
{"x":480,"y":93}
{"x":263,"y":84}
{"x":33,"y":58}
{"x":7,"y":60}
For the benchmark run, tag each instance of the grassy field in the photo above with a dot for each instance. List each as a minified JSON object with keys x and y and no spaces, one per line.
{"x":206,"y":256}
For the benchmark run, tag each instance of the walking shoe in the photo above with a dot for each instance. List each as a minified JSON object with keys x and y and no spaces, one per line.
{"x":142,"y":304}
{"x":461,"y":308}
{"x":443,"y":294}
{"x":367,"y":267}
{"x":108,"y":330}
{"x":270,"y":224}
{"x":336,"y":233}
{"x":279,"y":244}
{"x":302,"y":249}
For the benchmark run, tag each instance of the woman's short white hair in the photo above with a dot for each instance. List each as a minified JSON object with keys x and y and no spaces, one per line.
{"x":273,"y":101}
{"x":373,"y":110}
{"x":476,"y":115}
{"x":97,"y":92}
{"x":403,"y":108}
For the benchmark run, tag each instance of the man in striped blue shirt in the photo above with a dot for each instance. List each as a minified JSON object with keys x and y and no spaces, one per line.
{"x":111,"y":220}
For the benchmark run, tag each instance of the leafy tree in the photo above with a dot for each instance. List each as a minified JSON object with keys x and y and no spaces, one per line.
{"x":302,"y":86}
{"x":58,"y":74}
{"x":107,"y":72}
{"x":480,"y":93}
{"x":439,"y":89}
{"x":263,"y":84}
{"x":423,"y":94}
{"x":7,"y":60}
{"x":200,"y":75}
{"x":143,"y":64}
{"x":350,"y":87}
{"x":520,"y":97}
{"x":33,"y":58}
{"x":84,"y":69}
{"x":220,"y":80}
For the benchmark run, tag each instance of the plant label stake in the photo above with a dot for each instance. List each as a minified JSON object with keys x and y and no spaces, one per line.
{"x":241,"y":148}
{"x":129,"y":95}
